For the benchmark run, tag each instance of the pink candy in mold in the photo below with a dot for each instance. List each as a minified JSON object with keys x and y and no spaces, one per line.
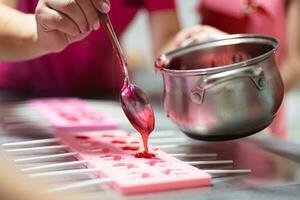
{"x":118,"y":142}
{"x":82,"y":137}
{"x":130,"y":148}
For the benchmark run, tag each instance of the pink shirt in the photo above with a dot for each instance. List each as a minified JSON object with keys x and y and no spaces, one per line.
{"x":84,"y":68}
{"x":267,"y":17}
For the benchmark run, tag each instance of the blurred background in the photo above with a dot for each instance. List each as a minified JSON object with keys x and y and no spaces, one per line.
{"x":140,"y":57}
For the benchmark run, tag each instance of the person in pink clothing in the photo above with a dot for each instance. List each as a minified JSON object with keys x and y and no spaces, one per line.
{"x":277,"y":18}
{"x":54,"y":47}
{"x":265,"y":17}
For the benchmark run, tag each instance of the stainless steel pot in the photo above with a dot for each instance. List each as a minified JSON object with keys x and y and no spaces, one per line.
{"x":222,"y":89}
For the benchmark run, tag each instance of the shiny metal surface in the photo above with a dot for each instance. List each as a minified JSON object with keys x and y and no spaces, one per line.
{"x":237,"y":97}
{"x":275,"y":167}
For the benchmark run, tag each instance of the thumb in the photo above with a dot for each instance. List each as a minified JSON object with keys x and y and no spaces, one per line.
{"x":102,"y":6}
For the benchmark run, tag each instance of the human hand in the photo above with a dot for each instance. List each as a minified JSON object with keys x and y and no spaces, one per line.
{"x":192,"y":35}
{"x":62,"y":22}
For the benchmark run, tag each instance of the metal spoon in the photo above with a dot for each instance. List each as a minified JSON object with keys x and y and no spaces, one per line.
{"x":133,"y":100}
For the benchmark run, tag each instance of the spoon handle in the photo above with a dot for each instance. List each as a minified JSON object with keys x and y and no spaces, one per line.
{"x":115,"y":42}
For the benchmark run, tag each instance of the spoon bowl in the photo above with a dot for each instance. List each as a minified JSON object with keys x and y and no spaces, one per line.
{"x":138,"y":110}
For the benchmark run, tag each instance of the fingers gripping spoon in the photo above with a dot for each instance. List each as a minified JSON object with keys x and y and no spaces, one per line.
{"x":133,"y":100}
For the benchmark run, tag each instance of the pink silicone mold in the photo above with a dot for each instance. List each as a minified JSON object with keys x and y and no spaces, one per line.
{"x":71,"y":114}
{"x":142,"y":175}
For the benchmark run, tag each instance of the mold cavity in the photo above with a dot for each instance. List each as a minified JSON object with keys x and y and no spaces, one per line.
{"x":130,"y":148}
{"x":154,"y":162}
{"x":105,"y":150}
{"x":86,"y":144}
{"x":134,"y":142}
{"x":127,"y":165}
{"x":106,"y":156}
{"x":118,"y":142}
{"x":146,"y":175}
{"x":120,"y":165}
{"x":107,"y":135}
{"x":172,"y":171}
{"x":95,"y":150}
{"x":167,"y":171}
{"x":117,"y":157}
{"x":82,"y":137}
{"x":98,"y":150}
{"x":131,"y":165}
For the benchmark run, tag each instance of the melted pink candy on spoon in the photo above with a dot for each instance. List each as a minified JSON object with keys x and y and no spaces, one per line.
{"x":133,"y":100}
{"x":138,"y":111}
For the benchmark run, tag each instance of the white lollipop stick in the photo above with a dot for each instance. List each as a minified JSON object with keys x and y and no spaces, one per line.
{"x":47,"y":158}
{"x":91,"y":183}
{"x":54,"y":147}
{"x":25,"y":143}
{"x":56,"y":165}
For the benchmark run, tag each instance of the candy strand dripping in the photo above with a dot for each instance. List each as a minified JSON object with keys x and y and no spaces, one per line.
{"x":133,"y":100}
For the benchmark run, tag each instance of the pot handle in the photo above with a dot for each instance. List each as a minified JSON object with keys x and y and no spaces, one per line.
{"x":256,"y":74}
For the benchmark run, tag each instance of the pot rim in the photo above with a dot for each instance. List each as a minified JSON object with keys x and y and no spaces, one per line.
{"x":164,"y":59}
